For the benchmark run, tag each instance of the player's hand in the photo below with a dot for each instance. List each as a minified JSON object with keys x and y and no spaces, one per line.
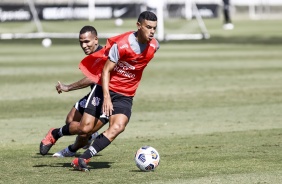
{"x":61,"y":87}
{"x":107,"y":107}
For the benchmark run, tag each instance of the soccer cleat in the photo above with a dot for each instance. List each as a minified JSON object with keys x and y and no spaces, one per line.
{"x":64,"y":153}
{"x":47,"y":143}
{"x":93,"y":137}
{"x":80,"y":164}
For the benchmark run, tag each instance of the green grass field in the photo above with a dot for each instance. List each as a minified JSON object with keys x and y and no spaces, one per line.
{"x":212,"y":108}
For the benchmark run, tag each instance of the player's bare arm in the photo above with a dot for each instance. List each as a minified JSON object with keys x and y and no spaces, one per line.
{"x":83,"y":83}
{"x":107,"y":104}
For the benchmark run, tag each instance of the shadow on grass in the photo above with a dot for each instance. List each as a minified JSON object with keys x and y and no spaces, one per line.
{"x":139,"y":171}
{"x":91,"y":165}
{"x":38,"y":155}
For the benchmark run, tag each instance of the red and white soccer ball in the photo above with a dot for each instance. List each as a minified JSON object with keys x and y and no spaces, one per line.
{"x":147,"y":158}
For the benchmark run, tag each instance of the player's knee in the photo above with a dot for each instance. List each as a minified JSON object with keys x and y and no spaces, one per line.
{"x":84,"y":130}
{"x":118,"y":128}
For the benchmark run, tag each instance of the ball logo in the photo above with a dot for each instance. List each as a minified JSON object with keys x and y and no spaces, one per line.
{"x":142,"y":158}
{"x":150,"y":167}
{"x":144,"y":147}
{"x":154,"y":155}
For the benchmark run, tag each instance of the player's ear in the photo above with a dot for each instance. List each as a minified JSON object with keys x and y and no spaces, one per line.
{"x":96,"y":40}
{"x":138,"y":25}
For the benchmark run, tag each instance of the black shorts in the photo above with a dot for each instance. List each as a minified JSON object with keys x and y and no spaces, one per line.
{"x":121,"y":104}
{"x":81,"y":105}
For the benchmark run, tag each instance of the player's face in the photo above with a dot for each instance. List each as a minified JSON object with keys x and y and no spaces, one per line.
{"x":88,"y":42}
{"x":146,"y":30}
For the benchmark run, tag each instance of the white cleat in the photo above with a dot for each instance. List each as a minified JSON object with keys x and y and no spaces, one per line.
{"x":64,"y":153}
{"x":93,"y":137}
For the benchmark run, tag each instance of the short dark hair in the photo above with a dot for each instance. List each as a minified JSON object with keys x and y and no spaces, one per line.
{"x":147,"y":15}
{"x":88,"y":29}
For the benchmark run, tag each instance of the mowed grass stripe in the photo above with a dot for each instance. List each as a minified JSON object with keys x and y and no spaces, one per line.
{"x":199,"y":157}
{"x":211,"y":108}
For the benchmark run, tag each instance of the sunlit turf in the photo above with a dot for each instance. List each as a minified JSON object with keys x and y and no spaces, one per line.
{"x":211,"y":108}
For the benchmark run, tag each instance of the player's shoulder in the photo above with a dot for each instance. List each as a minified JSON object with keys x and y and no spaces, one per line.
{"x":121,"y":36}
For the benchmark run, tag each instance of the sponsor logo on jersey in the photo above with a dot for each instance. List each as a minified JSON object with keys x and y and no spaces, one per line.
{"x":123,"y":68}
{"x":124,"y":46}
{"x":126,"y":65}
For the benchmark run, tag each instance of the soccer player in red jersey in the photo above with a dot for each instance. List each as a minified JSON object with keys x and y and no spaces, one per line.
{"x":121,"y":75}
{"x":88,"y":41}
{"x":117,"y":69}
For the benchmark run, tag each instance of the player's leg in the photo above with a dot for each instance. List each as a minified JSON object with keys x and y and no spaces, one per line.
{"x":77,"y":110}
{"x":92,"y":111}
{"x":88,"y":121}
{"x":53,"y":135}
{"x":73,"y":115}
{"x":81,"y":141}
{"x":83,"y":127}
{"x":122,"y":111}
{"x":226,"y":13}
{"x":80,"y":106}
{"x":117,"y":125}
{"x":94,"y":133}
{"x":70,"y":150}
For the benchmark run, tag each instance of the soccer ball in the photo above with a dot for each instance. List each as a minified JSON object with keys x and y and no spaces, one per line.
{"x":118,"y":22}
{"x":147,"y":158}
{"x":46,"y":42}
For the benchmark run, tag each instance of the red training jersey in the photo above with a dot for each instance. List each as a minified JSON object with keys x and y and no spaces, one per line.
{"x":126,"y":75}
